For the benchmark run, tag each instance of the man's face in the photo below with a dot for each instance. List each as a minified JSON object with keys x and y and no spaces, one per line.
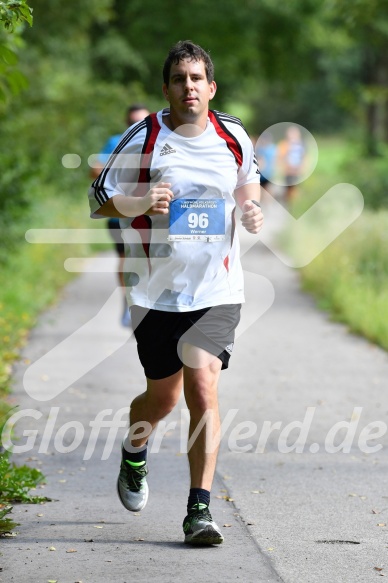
{"x":188,"y":91}
{"x":137,"y":115}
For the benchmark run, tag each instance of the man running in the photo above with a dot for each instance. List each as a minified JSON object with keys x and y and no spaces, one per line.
{"x":174,"y":181}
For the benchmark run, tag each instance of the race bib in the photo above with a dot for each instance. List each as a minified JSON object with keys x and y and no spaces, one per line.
{"x":197,"y":220}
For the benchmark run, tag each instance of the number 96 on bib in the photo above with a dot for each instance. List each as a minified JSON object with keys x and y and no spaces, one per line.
{"x":197,"y":220}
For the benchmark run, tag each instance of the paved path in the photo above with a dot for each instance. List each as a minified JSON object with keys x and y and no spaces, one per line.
{"x":308,"y":517}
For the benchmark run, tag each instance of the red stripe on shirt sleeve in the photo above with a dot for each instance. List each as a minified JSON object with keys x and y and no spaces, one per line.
{"x":153,"y":129}
{"x":230,"y":140}
{"x":143,"y":224}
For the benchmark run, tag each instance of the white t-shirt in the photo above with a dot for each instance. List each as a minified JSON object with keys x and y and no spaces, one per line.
{"x":167,"y":269}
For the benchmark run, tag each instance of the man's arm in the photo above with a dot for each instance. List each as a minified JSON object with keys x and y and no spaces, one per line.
{"x":155,"y":202}
{"x":96,"y":170}
{"x":252,"y":217}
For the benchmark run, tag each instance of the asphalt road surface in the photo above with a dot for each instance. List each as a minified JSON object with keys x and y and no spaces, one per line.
{"x":301,"y":485}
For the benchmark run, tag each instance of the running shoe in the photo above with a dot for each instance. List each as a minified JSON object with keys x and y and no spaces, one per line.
{"x":132,"y":487}
{"x":199,"y":527}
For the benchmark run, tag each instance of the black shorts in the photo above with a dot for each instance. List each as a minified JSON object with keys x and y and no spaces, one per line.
{"x":115,"y":233}
{"x":160,"y":335}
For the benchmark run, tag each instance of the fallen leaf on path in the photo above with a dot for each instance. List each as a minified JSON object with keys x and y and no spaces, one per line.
{"x":52,"y":549}
{"x":97,"y":526}
{"x":139,"y":539}
{"x":378,"y":568}
{"x":381,"y":524}
{"x":71,"y":551}
{"x":375,"y":511}
{"x":258,"y":491}
{"x":227,"y":525}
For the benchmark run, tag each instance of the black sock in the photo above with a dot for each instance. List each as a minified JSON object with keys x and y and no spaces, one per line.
{"x":198,"y":496}
{"x":140,"y":455}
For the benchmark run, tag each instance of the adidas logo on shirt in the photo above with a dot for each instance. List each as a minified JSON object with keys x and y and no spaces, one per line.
{"x":166,"y":150}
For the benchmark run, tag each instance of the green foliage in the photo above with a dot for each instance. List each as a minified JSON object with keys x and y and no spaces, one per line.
{"x":12,"y":12}
{"x":15,"y":485}
{"x":362,"y":41}
{"x":370,"y":175}
{"x":350,"y":277}
{"x":249,"y":42}
{"x":64,"y":110}
{"x":6,"y":524}
{"x":12,"y":80}
{"x":32,"y":275}
{"x":17,"y":481}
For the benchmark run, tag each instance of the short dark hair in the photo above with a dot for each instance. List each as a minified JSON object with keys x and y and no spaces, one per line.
{"x":136,"y":107}
{"x":185,"y":49}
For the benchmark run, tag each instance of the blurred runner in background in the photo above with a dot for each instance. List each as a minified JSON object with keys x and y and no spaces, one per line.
{"x":291,"y":157}
{"x":135,"y":113}
{"x":266,"y":152}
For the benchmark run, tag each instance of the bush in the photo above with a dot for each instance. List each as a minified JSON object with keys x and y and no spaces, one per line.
{"x":350,"y":278}
{"x":370,"y":175}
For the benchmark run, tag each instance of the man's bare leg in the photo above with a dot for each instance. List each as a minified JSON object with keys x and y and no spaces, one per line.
{"x":200,"y":387}
{"x":151,"y":406}
{"x":146,"y":410}
{"x":201,"y":372}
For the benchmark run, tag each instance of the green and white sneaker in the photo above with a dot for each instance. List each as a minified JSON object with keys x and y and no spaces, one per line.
{"x":199,"y":527}
{"x":132,"y":486}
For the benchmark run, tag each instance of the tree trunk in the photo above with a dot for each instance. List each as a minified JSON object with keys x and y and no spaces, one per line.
{"x":371,"y":138}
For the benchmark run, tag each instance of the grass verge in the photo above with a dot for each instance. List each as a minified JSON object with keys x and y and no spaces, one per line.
{"x":15,"y":484}
{"x":350,"y":277}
